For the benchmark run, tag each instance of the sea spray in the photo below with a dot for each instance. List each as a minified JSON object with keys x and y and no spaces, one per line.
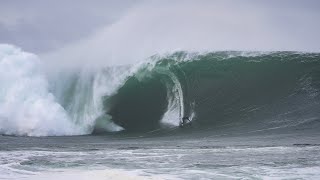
{"x":26,"y":105}
{"x":82,"y":92}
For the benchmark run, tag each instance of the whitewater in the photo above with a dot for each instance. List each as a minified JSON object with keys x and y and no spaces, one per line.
{"x":27,"y":106}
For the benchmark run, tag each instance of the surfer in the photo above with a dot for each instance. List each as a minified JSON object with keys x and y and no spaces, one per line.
{"x":185,"y":120}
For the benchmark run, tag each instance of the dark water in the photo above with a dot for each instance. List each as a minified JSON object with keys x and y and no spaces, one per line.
{"x":169,"y":156}
{"x":225,"y":90}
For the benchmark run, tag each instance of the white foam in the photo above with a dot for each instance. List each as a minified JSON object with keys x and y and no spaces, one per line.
{"x":111,"y":174}
{"x":26,"y":105}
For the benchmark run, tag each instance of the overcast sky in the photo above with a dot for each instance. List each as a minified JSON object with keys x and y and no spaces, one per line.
{"x":107,"y":28}
{"x":43,"y":25}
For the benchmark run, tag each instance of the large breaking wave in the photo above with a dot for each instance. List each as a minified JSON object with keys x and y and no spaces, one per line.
{"x":220,"y":91}
{"x":225,"y":91}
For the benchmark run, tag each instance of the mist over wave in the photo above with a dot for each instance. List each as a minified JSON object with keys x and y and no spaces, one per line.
{"x":163,"y":27}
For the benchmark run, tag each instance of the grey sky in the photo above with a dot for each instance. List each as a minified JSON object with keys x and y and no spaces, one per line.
{"x":43,"y":25}
{"x":105,"y":29}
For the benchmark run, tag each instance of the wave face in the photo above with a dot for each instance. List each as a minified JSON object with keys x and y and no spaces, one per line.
{"x":221,"y":92}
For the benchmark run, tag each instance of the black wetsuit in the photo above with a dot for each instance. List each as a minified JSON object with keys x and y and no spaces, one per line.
{"x":184,"y":121}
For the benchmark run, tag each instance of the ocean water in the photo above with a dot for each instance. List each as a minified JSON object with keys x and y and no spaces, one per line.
{"x":270,"y":156}
{"x":254,"y":115}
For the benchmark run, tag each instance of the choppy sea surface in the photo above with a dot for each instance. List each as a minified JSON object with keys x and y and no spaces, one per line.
{"x":285,"y":156}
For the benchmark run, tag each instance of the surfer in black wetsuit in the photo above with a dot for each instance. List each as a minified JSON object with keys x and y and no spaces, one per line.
{"x":185,"y":120}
